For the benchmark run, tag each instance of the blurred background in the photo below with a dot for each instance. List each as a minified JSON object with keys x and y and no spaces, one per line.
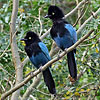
{"x":31,"y":17}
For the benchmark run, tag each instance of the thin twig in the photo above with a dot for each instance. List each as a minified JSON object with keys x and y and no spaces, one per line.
{"x":81,"y":15}
{"x":40,"y":22}
{"x":92,"y":67}
{"x":76,"y":8}
{"x":4,"y":51}
{"x":89,"y":19}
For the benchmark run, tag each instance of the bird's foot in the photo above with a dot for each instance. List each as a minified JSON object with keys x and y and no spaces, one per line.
{"x":58,"y":54}
{"x":72,"y":80}
{"x":30,"y":73}
{"x":40,"y":69}
{"x":65,"y":50}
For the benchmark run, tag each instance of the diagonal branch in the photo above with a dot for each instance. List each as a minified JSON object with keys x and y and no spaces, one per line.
{"x":32,"y":86}
{"x":45,"y":66}
{"x":76,"y":8}
{"x":89,"y":19}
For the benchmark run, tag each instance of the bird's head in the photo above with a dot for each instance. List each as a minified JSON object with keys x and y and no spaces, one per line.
{"x":54,"y":13}
{"x":30,"y":38}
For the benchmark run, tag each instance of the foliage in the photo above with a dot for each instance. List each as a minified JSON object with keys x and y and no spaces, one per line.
{"x":87,"y":55}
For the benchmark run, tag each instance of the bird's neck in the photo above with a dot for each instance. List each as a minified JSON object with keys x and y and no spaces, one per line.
{"x":32,"y":42}
{"x":57,"y":21}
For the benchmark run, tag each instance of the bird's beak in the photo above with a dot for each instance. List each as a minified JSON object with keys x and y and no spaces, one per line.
{"x":47,"y":16}
{"x":23,"y":41}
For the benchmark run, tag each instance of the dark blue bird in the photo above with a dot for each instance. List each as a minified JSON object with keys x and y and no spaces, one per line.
{"x":39,"y":56}
{"x":64,"y":35}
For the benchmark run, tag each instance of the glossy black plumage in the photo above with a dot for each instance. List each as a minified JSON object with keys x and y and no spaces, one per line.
{"x":39,"y":56}
{"x":64,"y":35}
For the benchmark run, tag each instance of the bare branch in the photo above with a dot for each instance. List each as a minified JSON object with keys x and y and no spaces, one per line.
{"x":76,"y":8}
{"x":54,"y":49}
{"x":32,"y":86}
{"x":79,"y":13}
{"x":14,"y":49}
{"x":33,"y":98}
{"x":40,"y":22}
{"x":45,"y":34}
{"x":89,"y":19}
{"x":4,"y":51}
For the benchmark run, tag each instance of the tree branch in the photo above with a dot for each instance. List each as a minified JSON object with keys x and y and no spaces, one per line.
{"x":45,"y":66}
{"x":4,"y":51}
{"x":14,"y":49}
{"x":76,"y":8}
{"x":40,"y":21}
{"x":32,"y":86}
{"x":54,"y":49}
{"x":89,"y":19}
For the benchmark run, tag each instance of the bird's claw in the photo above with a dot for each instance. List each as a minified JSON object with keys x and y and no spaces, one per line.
{"x":72,"y":80}
{"x":30,"y":73}
{"x":65,"y":50}
{"x":40,"y":69}
{"x":58,"y":55}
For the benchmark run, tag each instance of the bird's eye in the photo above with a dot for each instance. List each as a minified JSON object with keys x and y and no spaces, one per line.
{"x":29,"y":38}
{"x":53,"y":13}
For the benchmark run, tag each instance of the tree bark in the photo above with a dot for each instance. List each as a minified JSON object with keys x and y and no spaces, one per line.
{"x":79,"y":13}
{"x":14,"y":49}
{"x":35,"y":83}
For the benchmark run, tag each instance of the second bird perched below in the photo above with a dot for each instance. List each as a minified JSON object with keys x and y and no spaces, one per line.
{"x":64,"y":35}
{"x":39,"y":56}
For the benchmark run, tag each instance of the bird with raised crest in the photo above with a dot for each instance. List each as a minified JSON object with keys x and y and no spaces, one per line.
{"x":65,"y":36}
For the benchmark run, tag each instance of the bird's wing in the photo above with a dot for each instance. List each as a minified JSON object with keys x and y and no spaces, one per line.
{"x":44,"y":50}
{"x":72,"y":32}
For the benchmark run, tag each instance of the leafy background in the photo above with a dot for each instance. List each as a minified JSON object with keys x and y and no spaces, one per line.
{"x":87,"y":55}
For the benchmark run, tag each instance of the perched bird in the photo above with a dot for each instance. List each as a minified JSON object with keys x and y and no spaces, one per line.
{"x":39,"y":56}
{"x":64,"y":35}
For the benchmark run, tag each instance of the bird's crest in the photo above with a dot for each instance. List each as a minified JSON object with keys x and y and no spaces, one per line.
{"x":55,"y":12}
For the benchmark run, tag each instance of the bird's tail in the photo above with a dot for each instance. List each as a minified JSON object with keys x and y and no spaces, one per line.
{"x":72,"y":65}
{"x":48,"y":79}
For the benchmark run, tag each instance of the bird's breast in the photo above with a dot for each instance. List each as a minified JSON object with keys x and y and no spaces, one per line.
{"x":63,"y":42}
{"x":38,"y":60}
